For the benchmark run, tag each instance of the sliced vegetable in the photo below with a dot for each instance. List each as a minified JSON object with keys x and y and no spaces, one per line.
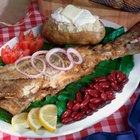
{"x":9,"y":55}
{"x":48,"y":60}
{"x":30,"y":42}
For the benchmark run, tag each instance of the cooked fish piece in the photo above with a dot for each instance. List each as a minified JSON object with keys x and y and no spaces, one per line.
{"x":17,"y":91}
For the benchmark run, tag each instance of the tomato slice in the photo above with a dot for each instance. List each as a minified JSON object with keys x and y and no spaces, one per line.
{"x":5,"y":59}
{"x":24,"y":45}
{"x":31,"y":35}
{"x":28,"y":44}
{"x":16,"y":47}
{"x":26,"y":52}
{"x":21,"y":36}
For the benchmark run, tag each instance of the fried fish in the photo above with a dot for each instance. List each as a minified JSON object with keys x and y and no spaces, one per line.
{"x":17,"y":91}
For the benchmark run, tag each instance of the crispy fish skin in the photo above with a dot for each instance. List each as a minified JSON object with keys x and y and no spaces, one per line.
{"x":18,"y":91}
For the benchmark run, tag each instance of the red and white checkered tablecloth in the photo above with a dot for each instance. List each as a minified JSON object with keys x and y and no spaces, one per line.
{"x":117,"y":122}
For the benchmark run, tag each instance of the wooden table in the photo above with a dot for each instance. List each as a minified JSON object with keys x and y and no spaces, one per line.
{"x":126,"y":19}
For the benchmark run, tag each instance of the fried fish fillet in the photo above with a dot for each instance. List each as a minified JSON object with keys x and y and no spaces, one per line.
{"x":17,"y":91}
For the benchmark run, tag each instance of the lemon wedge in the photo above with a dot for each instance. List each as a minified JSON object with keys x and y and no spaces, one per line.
{"x":33,"y":120}
{"x":19,"y":121}
{"x":48,"y":117}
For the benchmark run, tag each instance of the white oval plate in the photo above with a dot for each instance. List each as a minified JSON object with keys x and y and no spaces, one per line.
{"x":102,"y":113}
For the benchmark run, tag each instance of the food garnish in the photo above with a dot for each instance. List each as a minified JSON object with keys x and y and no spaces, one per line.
{"x":19,"y":121}
{"x":9,"y":55}
{"x":33,"y":120}
{"x":98,"y":93}
{"x":45,"y":116}
{"x":48,"y":117}
{"x":47,"y":60}
{"x":28,"y":44}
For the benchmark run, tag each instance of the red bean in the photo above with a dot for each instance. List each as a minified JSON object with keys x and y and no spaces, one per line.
{"x":93,"y":92}
{"x":76,"y":107}
{"x":114,"y":86}
{"x":84,"y":109}
{"x":111,"y":97}
{"x":95,"y":100}
{"x":92,"y":106}
{"x":79,"y":116}
{"x":83,"y":89}
{"x":89,"y":112}
{"x":91,"y":85}
{"x":70,"y":104}
{"x":120,"y":76}
{"x":100,"y":79}
{"x":111,"y":79}
{"x":98,"y":88}
{"x":75,"y":102}
{"x":113,"y":75}
{"x":87,"y":96}
{"x":79,"y":97}
{"x":109,"y":92}
{"x":105,"y":84}
{"x":104,"y":96}
{"x":73,"y":114}
{"x":124,"y":80}
{"x":67,"y":120}
{"x":66,"y":114}
{"x":84,"y":103}
{"x":94,"y":96}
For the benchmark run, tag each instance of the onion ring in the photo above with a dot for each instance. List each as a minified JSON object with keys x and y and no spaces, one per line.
{"x":53,"y":51}
{"x":26,"y":74}
{"x":71,"y":50}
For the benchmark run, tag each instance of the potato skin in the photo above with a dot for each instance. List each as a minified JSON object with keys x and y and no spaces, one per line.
{"x":52,"y":34}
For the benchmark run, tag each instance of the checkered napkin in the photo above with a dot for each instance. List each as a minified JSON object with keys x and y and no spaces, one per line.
{"x":117,"y":122}
{"x":127,"y":5}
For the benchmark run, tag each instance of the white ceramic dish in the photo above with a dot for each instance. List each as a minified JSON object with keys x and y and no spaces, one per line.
{"x":102,"y":113}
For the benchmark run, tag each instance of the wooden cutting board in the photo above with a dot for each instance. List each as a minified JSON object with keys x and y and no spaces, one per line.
{"x":126,"y":19}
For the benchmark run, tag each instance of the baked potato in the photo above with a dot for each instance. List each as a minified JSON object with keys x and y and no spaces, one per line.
{"x":61,"y":33}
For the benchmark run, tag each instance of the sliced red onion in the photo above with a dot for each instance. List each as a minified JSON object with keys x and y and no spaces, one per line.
{"x":34,"y":56}
{"x":71,"y":50}
{"x":52,"y":52}
{"x":48,"y":56}
{"x":26,"y":74}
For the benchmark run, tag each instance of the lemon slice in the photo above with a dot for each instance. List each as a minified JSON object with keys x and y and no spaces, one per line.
{"x":19,"y":121}
{"x":48,"y":117}
{"x":33,"y":119}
